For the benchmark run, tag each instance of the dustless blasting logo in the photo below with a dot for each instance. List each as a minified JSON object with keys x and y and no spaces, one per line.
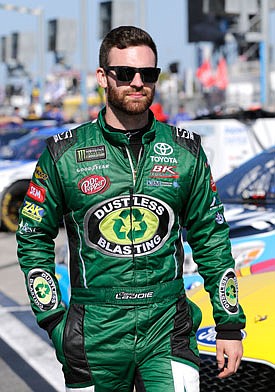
{"x":42,"y":289}
{"x":122,"y":226}
{"x":229,"y":291}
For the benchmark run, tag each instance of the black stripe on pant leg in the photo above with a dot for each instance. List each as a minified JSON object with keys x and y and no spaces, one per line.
{"x":139,"y":384}
{"x":180,"y":337}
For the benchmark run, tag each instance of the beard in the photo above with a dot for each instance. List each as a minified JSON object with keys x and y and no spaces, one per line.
{"x":121,"y":101}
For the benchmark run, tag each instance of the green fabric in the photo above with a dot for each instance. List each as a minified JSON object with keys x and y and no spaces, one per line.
{"x":124,"y":222}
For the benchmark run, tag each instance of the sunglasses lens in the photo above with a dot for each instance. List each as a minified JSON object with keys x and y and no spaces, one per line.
{"x":127,"y":74}
{"x":149,"y":75}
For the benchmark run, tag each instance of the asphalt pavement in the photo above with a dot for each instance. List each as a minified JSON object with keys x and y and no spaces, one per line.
{"x":27,"y":358}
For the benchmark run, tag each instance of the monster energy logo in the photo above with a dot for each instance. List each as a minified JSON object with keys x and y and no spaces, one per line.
{"x":90,"y":153}
{"x":125,"y":225}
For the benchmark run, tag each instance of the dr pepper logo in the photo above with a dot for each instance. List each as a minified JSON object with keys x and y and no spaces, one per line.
{"x":93,"y":184}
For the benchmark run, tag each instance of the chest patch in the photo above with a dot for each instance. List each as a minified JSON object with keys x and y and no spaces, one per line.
{"x":127,"y":225}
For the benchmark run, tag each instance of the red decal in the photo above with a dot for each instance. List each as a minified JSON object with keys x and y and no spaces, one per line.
{"x":213,"y":184}
{"x":36,"y":192}
{"x":93,"y":184}
{"x":164,"y":171}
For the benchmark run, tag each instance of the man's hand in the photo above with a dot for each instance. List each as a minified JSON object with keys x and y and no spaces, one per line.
{"x":233,"y":349}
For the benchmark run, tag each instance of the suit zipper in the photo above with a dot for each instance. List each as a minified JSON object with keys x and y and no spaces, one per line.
{"x":131,"y":193}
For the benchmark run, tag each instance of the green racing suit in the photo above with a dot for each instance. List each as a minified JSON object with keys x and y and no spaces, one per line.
{"x":128,"y":313}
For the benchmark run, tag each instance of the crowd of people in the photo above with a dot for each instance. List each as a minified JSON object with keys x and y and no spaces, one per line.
{"x":55,"y":111}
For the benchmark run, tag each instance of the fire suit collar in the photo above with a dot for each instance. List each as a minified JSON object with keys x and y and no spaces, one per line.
{"x":120,"y":138}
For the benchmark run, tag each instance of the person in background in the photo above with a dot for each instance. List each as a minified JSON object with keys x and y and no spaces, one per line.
{"x":53,"y":112}
{"x":126,"y":186}
{"x":159,"y":113}
{"x":10,"y":121}
{"x":47,"y":112}
{"x":181,"y":116}
{"x":16,"y":112}
{"x":32,"y":113}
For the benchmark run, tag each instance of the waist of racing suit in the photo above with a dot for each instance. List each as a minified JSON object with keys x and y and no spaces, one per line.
{"x":128,"y":295}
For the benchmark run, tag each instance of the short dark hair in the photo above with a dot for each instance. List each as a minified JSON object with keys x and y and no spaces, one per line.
{"x":123,"y":37}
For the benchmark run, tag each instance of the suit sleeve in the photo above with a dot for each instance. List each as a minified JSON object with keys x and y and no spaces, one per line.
{"x":208,"y":236}
{"x":39,"y":221}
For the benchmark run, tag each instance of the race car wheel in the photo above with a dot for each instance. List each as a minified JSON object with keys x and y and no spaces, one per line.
{"x":11,"y":202}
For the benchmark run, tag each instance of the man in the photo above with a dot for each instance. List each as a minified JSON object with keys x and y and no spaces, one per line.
{"x":127,"y":185}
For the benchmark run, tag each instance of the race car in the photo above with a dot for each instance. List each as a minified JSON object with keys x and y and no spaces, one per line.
{"x":257,"y":369}
{"x":17,"y":164}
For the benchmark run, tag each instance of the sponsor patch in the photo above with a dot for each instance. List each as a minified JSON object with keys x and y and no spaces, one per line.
{"x":163,"y":149}
{"x":124,"y":296}
{"x":90,"y":153}
{"x":42,"y":289}
{"x":93,"y":184}
{"x":36,"y":192}
{"x":155,"y":182}
{"x":92,"y":168}
{"x":25,"y":228}
{"x":164,"y":171}
{"x":39,"y":174}
{"x":228,"y":291}
{"x":184,"y":134}
{"x":33,"y":211}
{"x":219,"y":218}
{"x":213,"y":184}
{"x":126,"y":225}
{"x":62,"y":136}
{"x":216,"y":203}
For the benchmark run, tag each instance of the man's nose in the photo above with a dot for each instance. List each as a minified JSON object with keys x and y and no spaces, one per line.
{"x":137,"y":80}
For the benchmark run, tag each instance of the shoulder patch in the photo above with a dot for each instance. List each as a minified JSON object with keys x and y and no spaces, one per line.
{"x":191,"y":141}
{"x":61,"y":142}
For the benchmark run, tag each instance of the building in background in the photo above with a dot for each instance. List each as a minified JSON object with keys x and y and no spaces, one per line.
{"x":212,"y":52}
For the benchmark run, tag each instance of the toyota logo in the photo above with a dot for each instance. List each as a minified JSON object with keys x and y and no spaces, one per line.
{"x":163,"y":149}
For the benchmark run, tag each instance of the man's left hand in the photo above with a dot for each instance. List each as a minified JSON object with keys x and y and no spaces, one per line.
{"x":233,"y":349}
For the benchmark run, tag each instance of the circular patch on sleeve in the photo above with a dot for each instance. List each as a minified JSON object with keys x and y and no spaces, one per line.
{"x":228,"y":291}
{"x":42,"y":289}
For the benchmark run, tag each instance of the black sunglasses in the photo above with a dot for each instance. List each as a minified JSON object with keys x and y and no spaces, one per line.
{"x":127,"y":74}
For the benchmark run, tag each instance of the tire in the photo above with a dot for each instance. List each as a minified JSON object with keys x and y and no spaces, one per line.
{"x":11,"y":202}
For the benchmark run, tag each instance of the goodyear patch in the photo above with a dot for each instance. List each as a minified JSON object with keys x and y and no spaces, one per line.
{"x":32,"y":211}
{"x":39,"y":174}
{"x":42,"y":289}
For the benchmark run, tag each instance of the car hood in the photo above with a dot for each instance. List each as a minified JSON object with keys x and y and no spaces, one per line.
{"x":12,"y":171}
{"x":245,"y":219}
{"x":256,"y":295}
{"x":6,"y":164}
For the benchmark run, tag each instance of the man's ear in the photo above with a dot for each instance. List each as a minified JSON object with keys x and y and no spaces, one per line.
{"x":101,"y":77}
